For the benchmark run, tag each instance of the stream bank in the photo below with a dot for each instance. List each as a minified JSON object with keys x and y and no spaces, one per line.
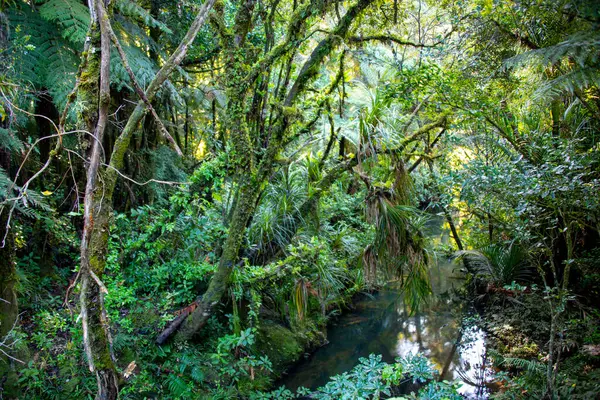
{"x":445,"y":329}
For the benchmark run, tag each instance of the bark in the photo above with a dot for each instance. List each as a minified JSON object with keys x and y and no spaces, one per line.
{"x":555,"y":111}
{"x":245,"y":208}
{"x":253,"y":176}
{"x":453,"y":229}
{"x":96,"y":334}
{"x":550,"y":366}
{"x":8,"y":278}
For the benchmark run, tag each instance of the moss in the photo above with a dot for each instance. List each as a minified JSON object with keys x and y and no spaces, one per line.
{"x":280,"y":344}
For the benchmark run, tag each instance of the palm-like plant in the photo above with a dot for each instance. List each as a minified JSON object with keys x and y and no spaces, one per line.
{"x":278,"y":215}
{"x":499,"y":264}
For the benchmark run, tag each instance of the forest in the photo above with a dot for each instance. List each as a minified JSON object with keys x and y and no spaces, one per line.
{"x":299,"y":199}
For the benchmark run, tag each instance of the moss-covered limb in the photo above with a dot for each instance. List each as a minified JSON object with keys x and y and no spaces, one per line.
{"x":332,"y":137}
{"x":441,"y":122}
{"x":390,"y":39}
{"x":310,"y":68}
{"x":140,"y":91}
{"x":92,"y":301}
{"x":325,"y":100}
{"x":240,"y":137}
{"x":243,"y":22}
{"x":307,"y":73}
{"x":427,"y":151}
{"x":294,"y":32}
{"x":220,"y":280}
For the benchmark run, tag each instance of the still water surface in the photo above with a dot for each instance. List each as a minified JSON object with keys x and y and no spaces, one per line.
{"x":444,"y":330}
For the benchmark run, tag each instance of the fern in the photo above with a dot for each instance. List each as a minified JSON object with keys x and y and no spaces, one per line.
{"x":581,"y":47}
{"x":134,"y":11}
{"x":177,"y":386}
{"x":9,"y":141}
{"x":570,"y":82}
{"x":71,"y":16}
{"x":197,"y":374}
{"x":533,"y":367}
{"x":143,"y":68}
{"x":50,"y":62}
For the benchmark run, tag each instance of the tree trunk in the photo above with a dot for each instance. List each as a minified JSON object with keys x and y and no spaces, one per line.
{"x":246,"y":205}
{"x":97,"y":338}
{"x":254,"y":173}
{"x":453,"y":229}
{"x":96,"y":335}
{"x":8,"y":278}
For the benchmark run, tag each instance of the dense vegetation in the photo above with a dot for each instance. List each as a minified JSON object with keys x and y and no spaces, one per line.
{"x":190,"y":191}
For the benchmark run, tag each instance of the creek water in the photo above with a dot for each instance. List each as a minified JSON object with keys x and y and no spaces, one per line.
{"x":444,"y":329}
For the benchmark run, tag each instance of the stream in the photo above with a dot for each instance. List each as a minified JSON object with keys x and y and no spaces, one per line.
{"x":444,"y":330}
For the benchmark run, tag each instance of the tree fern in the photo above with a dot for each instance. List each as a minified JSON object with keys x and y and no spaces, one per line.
{"x":571,"y":82}
{"x":143,"y":68}
{"x":71,"y":16}
{"x":578,"y":54}
{"x":50,"y":61}
{"x":581,"y":48}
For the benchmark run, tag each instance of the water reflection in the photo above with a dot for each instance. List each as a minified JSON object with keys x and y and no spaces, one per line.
{"x":383,"y":324}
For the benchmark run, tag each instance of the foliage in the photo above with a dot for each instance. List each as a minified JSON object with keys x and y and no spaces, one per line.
{"x":498,"y":264}
{"x":315,"y":139}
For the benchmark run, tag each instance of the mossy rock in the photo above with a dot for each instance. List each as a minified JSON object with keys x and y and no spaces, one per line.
{"x":280,"y":344}
{"x":311,"y":334}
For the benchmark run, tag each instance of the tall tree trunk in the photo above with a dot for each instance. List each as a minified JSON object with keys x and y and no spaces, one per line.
{"x":96,"y":335}
{"x":98,"y":199}
{"x":254,"y":174}
{"x":206,"y":303}
{"x":8,"y":278}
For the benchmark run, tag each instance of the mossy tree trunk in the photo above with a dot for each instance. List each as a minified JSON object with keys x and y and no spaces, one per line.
{"x":9,"y":309}
{"x":98,"y":197}
{"x":95,"y":90}
{"x":253,"y":172}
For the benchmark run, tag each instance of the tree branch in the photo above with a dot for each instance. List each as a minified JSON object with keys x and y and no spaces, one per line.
{"x":391,"y":39}
{"x":140,"y":92}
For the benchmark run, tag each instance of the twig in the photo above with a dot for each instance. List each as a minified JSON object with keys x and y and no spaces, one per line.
{"x":140,"y":92}
{"x":99,"y":282}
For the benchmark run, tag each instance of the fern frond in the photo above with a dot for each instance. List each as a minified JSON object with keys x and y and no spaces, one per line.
{"x":531,"y":366}
{"x":143,"y":68}
{"x":131,"y":9}
{"x":177,"y":386}
{"x":9,"y":141}
{"x":581,"y":47}
{"x":570,"y":82}
{"x":197,"y":374}
{"x":50,"y":62}
{"x":71,"y":16}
